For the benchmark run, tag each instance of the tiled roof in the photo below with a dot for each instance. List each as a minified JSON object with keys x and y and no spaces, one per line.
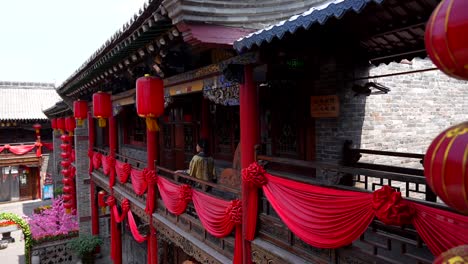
{"x":26,"y":100}
{"x":317,"y":14}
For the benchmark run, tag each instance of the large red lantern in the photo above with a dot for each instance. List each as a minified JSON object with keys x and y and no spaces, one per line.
{"x":80,"y":111}
{"x":53,"y":122}
{"x":447,"y":39}
{"x":101,"y":200}
{"x":102,"y":107}
{"x":150,"y":100}
{"x":61,"y":124}
{"x":446,"y":167}
{"x":70,"y":125}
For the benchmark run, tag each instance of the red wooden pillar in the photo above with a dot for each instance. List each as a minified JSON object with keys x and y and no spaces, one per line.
{"x":152,"y":152}
{"x":94,"y":208}
{"x":249,"y":137}
{"x":112,"y":151}
{"x":205,"y":120}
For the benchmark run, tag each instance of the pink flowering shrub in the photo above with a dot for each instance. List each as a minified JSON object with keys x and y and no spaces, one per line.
{"x":53,"y":223}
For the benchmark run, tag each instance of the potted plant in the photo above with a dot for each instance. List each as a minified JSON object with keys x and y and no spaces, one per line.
{"x":84,"y":247}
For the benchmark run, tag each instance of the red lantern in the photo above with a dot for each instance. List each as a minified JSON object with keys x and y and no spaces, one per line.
{"x":53,"y":122}
{"x":70,"y":125}
{"x":68,"y":189}
{"x":67,"y":181}
{"x":447,"y":39}
{"x":67,"y":197}
{"x":65,"y":163}
{"x":102,"y":200}
{"x":61,"y":124}
{"x":37,"y":128}
{"x":446,"y":167}
{"x":80,"y":111}
{"x":150,"y":100}
{"x":65,"y":138}
{"x":102,"y":107}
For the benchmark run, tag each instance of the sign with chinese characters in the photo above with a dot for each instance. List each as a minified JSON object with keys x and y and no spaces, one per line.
{"x":324,"y":106}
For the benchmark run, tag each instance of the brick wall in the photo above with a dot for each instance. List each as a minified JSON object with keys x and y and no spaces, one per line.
{"x":418,"y":107}
{"x":82,"y":186}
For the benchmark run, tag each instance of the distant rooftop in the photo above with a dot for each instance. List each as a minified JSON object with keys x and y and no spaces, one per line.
{"x":26,"y":100}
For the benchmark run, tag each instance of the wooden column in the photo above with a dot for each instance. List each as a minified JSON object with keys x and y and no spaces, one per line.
{"x":249,"y":135}
{"x":151,"y":152}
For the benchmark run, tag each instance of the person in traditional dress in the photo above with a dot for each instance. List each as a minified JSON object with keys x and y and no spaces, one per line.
{"x":202,"y":165}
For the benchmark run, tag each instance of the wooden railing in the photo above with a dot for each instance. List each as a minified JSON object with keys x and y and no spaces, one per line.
{"x":380,"y":243}
{"x":188,"y":221}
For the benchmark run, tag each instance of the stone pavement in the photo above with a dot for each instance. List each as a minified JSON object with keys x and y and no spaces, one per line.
{"x":14,"y":253}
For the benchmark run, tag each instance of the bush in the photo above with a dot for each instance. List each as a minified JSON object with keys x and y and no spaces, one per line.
{"x":84,"y":246}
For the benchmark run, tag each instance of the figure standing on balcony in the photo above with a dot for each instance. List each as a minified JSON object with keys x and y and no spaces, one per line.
{"x":202,"y":165}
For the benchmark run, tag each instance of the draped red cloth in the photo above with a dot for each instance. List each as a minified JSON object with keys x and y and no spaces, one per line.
{"x":134,"y":229}
{"x":116,"y":243}
{"x":125,"y":208}
{"x":330,"y":218}
{"x":18,"y":150}
{"x":123,"y":170}
{"x":48,"y":145}
{"x":175,"y":197}
{"x":97,"y":160}
{"x":219,"y":217}
{"x":139,"y":183}
{"x":151,"y":180}
{"x":439,"y":229}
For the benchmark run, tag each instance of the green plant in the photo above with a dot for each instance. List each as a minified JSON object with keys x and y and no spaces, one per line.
{"x":84,"y":246}
{"x":58,"y":191}
{"x":23,"y":224}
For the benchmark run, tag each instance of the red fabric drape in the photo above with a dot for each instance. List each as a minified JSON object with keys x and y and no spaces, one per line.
{"x":219,"y":217}
{"x":116,"y":243}
{"x":123,"y":170}
{"x":322,"y":217}
{"x":134,"y":229}
{"x":151,"y":180}
{"x":139,"y":183}
{"x":439,"y":229}
{"x":18,"y":150}
{"x":97,"y":160}
{"x":48,"y":145}
{"x":125,"y":208}
{"x":175,"y":197}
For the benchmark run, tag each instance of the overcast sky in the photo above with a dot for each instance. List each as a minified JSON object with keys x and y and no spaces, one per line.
{"x":47,"y":40}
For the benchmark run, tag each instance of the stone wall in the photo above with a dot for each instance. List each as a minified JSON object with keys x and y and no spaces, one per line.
{"x":418,"y":107}
{"x":52,"y":252}
{"x":82,"y":178}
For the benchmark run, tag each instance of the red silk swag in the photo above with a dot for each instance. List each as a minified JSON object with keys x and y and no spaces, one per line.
{"x":23,"y":149}
{"x":331,"y":218}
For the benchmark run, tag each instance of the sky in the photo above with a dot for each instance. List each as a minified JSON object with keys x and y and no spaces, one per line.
{"x":47,"y":40}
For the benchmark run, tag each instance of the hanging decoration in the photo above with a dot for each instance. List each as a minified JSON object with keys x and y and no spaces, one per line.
{"x":61,"y":124}
{"x":53,"y":122}
{"x":446,"y":39}
{"x":80,"y":111}
{"x":306,"y":210}
{"x":102,"y":107}
{"x":150,"y":100}
{"x":446,"y":167}
{"x":70,"y":125}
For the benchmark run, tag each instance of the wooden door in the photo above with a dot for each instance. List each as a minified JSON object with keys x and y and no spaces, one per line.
{"x":28,"y":184}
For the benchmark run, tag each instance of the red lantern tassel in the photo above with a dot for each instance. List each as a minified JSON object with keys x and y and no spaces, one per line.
{"x":152,"y":124}
{"x":102,"y":122}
